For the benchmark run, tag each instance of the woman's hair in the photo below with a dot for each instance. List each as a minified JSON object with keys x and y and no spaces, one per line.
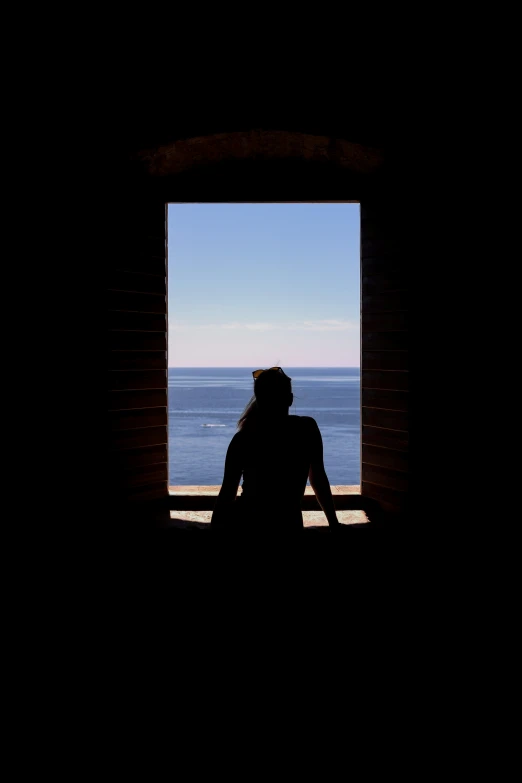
{"x":272,"y":397}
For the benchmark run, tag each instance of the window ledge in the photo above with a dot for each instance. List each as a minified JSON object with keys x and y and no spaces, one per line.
{"x":203,"y":498}
{"x":189,"y":520}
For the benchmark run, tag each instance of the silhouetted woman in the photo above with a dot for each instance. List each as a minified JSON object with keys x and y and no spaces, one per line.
{"x":276,"y":454}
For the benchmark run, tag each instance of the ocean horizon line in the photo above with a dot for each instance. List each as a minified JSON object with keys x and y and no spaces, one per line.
{"x":249,"y":366}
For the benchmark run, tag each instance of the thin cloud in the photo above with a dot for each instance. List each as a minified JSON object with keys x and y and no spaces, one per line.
{"x":328,"y":325}
{"x":261,"y":327}
{"x":183,"y":326}
{"x":253,"y":327}
{"x":322,"y":325}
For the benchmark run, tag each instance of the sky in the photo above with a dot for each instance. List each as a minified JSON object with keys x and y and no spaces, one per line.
{"x":263,"y":285}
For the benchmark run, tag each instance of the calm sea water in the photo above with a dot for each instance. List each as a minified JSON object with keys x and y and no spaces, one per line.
{"x":205,"y":404}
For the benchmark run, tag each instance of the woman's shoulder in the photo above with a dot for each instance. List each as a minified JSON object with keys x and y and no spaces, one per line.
{"x":237,"y":440}
{"x":306,"y":422}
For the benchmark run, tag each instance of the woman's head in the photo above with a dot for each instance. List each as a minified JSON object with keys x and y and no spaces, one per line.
{"x":273,"y":390}
{"x":272,"y":396}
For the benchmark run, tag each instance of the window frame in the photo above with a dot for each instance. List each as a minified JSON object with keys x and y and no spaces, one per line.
{"x":200,"y":501}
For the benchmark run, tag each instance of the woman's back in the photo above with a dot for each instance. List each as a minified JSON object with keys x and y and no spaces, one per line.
{"x":276,"y":460}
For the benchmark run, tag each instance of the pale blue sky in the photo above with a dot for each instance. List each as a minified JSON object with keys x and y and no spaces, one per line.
{"x":257,"y":285}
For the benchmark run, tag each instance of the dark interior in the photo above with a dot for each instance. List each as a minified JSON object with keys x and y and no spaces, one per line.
{"x":366,"y":158}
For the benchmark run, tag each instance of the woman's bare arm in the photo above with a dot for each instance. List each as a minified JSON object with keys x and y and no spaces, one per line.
{"x":230,"y":485}
{"x":319,"y":479}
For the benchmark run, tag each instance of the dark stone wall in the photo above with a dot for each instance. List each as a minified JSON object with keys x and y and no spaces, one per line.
{"x":163,"y":163}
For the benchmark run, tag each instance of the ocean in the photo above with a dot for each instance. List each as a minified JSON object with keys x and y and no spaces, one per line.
{"x":205,"y":404}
